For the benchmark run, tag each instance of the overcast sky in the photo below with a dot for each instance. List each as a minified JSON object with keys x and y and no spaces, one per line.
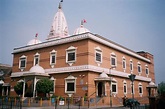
{"x":135,"y":24}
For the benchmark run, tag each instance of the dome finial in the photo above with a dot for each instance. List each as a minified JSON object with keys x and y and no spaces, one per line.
{"x":60,"y":4}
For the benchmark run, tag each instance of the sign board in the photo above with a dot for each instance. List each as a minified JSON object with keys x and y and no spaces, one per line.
{"x":61,"y":103}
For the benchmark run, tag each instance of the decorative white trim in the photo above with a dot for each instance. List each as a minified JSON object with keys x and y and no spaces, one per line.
{"x":99,"y":51}
{"x":53,"y":53}
{"x":81,"y":37}
{"x":71,"y":49}
{"x":23,"y":57}
{"x":85,"y":68}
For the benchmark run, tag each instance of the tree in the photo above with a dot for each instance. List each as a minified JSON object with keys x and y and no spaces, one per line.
{"x":161,"y":88}
{"x":44,"y":86}
{"x":18,"y":88}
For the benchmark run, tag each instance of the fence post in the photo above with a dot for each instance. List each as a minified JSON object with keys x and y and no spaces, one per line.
{"x":20,"y":101}
{"x":10,"y":103}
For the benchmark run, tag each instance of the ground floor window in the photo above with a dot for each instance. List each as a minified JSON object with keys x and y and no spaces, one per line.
{"x":70,"y":84}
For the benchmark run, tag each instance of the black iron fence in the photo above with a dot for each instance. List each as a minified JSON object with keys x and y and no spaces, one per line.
{"x":10,"y":102}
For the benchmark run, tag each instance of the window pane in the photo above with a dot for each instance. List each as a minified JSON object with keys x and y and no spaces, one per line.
{"x":146,"y":70}
{"x":125,"y":90}
{"x":140,"y":89}
{"x":22,"y":63}
{"x":98,"y":57}
{"x":70,"y":86}
{"x":139,"y":68}
{"x":113,"y":87}
{"x":53,"y":59}
{"x":124,"y":64}
{"x":131,"y":66}
{"x":113,"y":61}
{"x":71,"y":56}
{"x":36,"y":60}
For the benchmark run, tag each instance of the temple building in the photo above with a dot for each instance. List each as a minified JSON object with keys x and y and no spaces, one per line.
{"x":83,"y":64}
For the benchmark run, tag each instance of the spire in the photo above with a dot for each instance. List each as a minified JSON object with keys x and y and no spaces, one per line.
{"x":59,"y":28}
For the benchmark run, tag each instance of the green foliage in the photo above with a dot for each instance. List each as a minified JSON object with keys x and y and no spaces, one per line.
{"x":161,"y":88}
{"x":18,"y":88}
{"x":44,"y":86}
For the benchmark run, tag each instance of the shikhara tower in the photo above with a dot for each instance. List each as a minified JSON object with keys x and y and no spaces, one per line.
{"x":59,"y":28}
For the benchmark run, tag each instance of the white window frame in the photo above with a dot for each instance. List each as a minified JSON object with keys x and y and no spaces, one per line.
{"x":98,"y":51}
{"x":37,"y":55}
{"x":131,"y":66}
{"x":139,"y":66}
{"x":71,"y":49}
{"x":70,"y":79}
{"x":53,"y":53}
{"x":22,"y":58}
{"x":114,"y":83}
{"x":140,"y":86}
{"x":124,"y":63}
{"x":146,"y":70}
{"x":125,"y":85}
{"x":113,"y":56}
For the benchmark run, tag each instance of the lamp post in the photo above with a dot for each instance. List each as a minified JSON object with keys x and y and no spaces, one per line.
{"x":110,"y":75}
{"x":132,"y":78}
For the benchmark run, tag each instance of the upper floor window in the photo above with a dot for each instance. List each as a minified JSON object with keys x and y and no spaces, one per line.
{"x":22,"y":62}
{"x":98,"y":55}
{"x":70,"y":84}
{"x":71,"y":55}
{"x":139,"y":68}
{"x":52,"y":58}
{"x":147,"y":70}
{"x":124,"y":63}
{"x":113,"y":59}
{"x":36,"y":58}
{"x":131,"y":65}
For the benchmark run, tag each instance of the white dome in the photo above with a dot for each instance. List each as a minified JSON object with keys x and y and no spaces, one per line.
{"x":34,"y":41}
{"x":80,"y":30}
{"x":152,"y":83}
{"x":37,"y":69}
{"x":103,"y":75}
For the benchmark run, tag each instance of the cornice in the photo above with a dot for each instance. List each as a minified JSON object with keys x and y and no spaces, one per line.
{"x":80,"y":37}
{"x":85,"y":68}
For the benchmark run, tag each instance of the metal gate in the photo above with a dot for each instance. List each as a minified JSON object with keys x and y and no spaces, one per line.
{"x":10,"y":102}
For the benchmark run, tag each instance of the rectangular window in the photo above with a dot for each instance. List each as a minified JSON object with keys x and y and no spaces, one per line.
{"x":131,"y":65}
{"x":22,"y":62}
{"x":139,"y":68}
{"x":124,"y":64}
{"x":36,"y":60}
{"x":53,"y":58}
{"x":125,"y":88}
{"x":98,"y":57}
{"x":113,"y":60}
{"x":140,"y":89}
{"x":71,"y":56}
{"x":114,"y":88}
{"x":70,"y":86}
{"x":147,"y":71}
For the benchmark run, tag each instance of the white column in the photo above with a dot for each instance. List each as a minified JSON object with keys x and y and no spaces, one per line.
{"x":7,"y":92}
{"x":23,"y":94}
{"x":34,"y":88}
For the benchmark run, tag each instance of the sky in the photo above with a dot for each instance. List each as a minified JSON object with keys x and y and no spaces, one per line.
{"x":136,"y":24}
